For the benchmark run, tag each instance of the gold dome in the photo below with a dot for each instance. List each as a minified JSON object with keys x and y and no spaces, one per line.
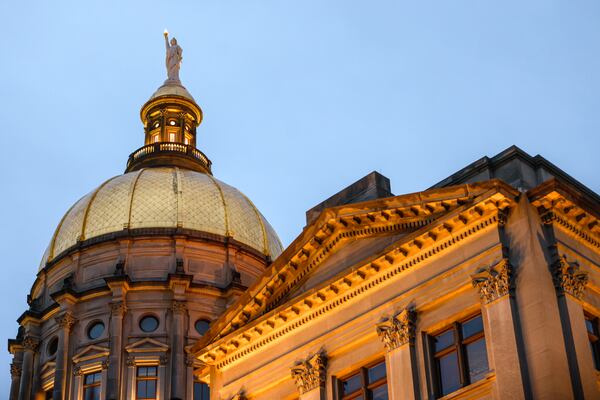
{"x":167,"y":197}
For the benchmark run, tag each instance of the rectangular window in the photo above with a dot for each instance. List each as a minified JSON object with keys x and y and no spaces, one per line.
{"x":459,"y":355}
{"x":171,"y":137}
{"x":201,"y":391}
{"x":147,"y":378}
{"x":369,"y":382}
{"x":91,"y":386}
{"x":591,"y":325}
{"x":155,"y":138}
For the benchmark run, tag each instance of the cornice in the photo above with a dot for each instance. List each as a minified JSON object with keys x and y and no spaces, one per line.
{"x":363,"y":278}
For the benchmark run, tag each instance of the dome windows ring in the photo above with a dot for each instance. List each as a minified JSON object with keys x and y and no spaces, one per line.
{"x":52,"y":346}
{"x":95,"y":330}
{"x":202,"y":326}
{"x":149,"y":323}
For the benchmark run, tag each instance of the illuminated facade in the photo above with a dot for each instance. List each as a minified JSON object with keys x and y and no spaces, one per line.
{"x":166,"y":283}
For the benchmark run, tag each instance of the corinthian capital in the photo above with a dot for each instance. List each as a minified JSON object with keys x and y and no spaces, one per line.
{"x":310,"y":373}
{"x":31,"y":343}
{"x":66,"y":320}
{"x":15,"y":370}
{"x":398,"y":330}
{"x":493,"y":282}
{"x":179,"y":306}
{"x":569,"y":277}
{"x":118,"y":308}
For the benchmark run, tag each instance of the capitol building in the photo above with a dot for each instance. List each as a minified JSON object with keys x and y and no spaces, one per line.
{"x":166,"y":283}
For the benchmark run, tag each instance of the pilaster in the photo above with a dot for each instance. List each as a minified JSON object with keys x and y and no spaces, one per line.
{"x":30,"y":346}
{"x":65,"y":321}
{"x":309,"y":376}
{"x":397,"y":334}
{"x":178,"y":373}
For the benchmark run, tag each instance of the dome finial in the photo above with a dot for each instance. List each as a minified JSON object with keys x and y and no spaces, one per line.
{"x":174,"y":55}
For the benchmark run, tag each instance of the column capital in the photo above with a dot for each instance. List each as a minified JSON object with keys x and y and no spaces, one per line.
{"x":311,"y":373}
{"x":493,"y":282}
{"x":15,"y":370}
{"x":398,"y":330}
{"x":569,"y":277}
{"x":77,"y":371}
{"x":65,"y":320}
{"x":179,"y":306}
{"x":118,"y":308}
{"x":30,"y":343}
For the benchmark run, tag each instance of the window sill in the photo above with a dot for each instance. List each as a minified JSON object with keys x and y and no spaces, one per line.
{"x":481,"y":387}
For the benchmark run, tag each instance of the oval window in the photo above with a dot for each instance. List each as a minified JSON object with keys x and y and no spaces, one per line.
{"x":149,"y":323}
{"x":52,"y":346}
{"x":95,"y":330}
{"x":202,"y":326}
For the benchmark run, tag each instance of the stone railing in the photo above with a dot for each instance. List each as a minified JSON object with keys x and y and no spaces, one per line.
{"x":169,"y":148}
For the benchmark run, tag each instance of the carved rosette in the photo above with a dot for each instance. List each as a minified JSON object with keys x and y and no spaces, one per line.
{"x":30,"y":343}
{"x":66,"y":321}
{"x":118,"y":308}
{"x":179,"y":306}
{"x":493,"y":282}
{"x":398,"y":330}
{"x":569,"y":277}
{"x":15,"y":370}
{"x":311,"y":373}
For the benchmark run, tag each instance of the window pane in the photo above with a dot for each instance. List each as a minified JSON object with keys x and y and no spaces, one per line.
{"x":472,"y":326}
{"x":141,"y":371}
{"x":148,"y":324}
{"x":141,"y":389}
{"x":589,"y":324}
{"x":444,"y":340}
{"x":477,"y":360}
{"x":594,"y":348}
{"x":92,"y":393}
{"x":151,"y":389}
{"x":376,"y":372}
{"x":201,"y":391}
{"x":151,"y":371}
{"x":449,"y":373}
{"x":351,"y":384}
{"x":380,"y":393}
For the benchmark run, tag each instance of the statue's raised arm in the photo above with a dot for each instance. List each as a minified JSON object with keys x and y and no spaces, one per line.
{"x":173,"y":58}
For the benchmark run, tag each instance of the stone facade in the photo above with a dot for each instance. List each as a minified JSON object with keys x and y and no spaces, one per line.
{"x":364,"y":300}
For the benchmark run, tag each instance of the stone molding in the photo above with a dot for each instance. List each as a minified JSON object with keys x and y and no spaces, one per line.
{"x":15,"y":370}
{"x":311,"y":373}
{"x":398,"y":330}
{"x":493,"y":282}
{"x":65,"y":320}
{"x":118,"y":308}
{"x":179,"y":306}
{"x":569,"y":277}
{"x":30,"y":343}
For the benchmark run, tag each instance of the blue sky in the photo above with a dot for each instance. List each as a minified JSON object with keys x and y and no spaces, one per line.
{"x":300,"y":99}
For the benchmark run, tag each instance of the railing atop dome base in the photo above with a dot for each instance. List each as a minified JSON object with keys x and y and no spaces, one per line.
{"x":168,"y":154}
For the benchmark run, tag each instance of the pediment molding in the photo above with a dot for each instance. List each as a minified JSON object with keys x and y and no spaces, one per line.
{"x":147,"y":345}
{"x":437,"y":237}
{"x":91,"y":352}
{"x":334,"y":225}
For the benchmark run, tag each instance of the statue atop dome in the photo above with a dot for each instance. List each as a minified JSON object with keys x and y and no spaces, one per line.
{"x":173,"y":58}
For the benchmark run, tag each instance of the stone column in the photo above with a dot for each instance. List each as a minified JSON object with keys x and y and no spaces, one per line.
{"x":65,"y":321}
{"x":30,"y":346}
{"x":310,"y":375}
{"x":494,"y":286}
{"x":131,"y":378}
{"x":398,"y":335}
{"x":178,"y":372}
{"x":114,"y":375}
{"x":15,"y":374}
{"x":161,"y":384}
{"x":570,"y":282}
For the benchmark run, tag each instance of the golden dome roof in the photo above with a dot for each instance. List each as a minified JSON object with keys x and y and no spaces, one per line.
{"x":166,"y":197}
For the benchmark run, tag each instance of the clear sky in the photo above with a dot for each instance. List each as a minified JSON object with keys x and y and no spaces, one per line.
{"x":300,"y":99}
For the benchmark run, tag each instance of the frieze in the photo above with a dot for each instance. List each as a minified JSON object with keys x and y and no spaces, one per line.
{"x":311,"y":373}
{"x":569,"y":277}
{"x":398,"y":330}
{"x":493,"y":282}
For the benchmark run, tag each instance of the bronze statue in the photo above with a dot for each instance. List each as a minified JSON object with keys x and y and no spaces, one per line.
{"x":173,"y":59}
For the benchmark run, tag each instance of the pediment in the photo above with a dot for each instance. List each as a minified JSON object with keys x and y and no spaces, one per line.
{"x":91,"y":352}
{"x":146,"y":345}
{"x":402,"y":225}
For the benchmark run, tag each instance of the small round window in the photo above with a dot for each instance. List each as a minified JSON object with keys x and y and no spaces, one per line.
{"x":149,"y":323}
{"x":95,"y":330}
{"x":52,"y":346}
{"x":202,"y":326}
